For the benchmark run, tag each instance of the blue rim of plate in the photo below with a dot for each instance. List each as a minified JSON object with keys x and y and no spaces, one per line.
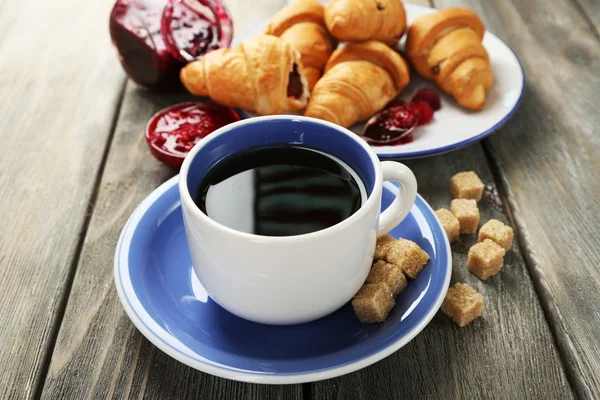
{"x":450,"y":147}
{"x":160,"y":338}
{"x":466,"y":142}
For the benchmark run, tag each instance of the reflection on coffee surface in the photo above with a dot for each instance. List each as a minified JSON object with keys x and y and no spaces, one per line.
{"x":280,"y":191}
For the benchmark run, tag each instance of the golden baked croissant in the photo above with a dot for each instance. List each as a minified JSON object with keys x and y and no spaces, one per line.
{"x":360,"y":20}
{"x":360,"y":79}
{"x":302,"y":24}
{"x":263,"y":74}
{"x":446,"y":47}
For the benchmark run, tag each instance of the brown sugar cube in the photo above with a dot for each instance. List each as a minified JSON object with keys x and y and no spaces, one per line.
{"x":462,"y":303}
{"x":390,"y":274}
{"x":408,"y":256}
{"x":467,"y":213}
{"x":485,"y":259}
{"x":498,"y":232}
{"x":383,"y":246}
{"x":466,"y":185}
{"x":373,"y":302}
{"x":449,"y":223}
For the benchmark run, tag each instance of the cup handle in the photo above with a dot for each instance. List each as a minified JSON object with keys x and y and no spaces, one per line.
{"x":400,"y":207}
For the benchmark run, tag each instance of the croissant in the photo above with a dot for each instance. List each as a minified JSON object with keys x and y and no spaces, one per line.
{"x":262,"y":74}
{"x":360,"y":79}
{"x":446,"y":47}
{"x":360,"y":20}
{"x":302,"y":25}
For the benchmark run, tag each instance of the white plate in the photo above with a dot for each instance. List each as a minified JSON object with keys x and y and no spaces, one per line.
{"x":453,"y":126}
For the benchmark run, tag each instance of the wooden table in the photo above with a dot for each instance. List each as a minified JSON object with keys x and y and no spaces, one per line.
{"x":74,"y":165}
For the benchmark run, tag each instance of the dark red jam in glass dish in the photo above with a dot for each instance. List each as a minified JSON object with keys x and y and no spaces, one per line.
{"x":392,"y":125}
{"x":173,"y":131}
{"x":156,"y":38}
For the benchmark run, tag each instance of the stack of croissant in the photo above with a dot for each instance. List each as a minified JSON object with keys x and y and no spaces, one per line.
{"x":295,"y":65}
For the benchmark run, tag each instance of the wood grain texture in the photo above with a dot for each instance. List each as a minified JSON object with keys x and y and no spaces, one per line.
{"x":507,"y":354}
{"x":60,"y":89}
{"x":549,"y":157}
{"x":591,"y":9}
{"x":99,"y":354}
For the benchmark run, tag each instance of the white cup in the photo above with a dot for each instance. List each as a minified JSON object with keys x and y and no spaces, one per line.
{"x":291,"y":279}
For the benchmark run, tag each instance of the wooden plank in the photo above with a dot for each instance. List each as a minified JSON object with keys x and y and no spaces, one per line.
{"x":509,"y":353}
{"x":60,"y":85}
{"x":591,"y":9}
{"x":99,"y":353}
{"x":492,"y":358}
{"x":549,"y":158}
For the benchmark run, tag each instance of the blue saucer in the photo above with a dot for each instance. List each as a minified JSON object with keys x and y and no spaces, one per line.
{"x":161,"y":294}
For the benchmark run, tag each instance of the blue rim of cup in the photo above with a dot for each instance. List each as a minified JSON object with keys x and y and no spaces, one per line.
{"x":301,"y":121}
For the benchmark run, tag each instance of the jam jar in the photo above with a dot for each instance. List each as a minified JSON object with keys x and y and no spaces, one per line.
{"x":156,"y":38}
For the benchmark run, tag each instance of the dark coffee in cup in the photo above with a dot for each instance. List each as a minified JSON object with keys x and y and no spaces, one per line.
{"x":280,"y":191}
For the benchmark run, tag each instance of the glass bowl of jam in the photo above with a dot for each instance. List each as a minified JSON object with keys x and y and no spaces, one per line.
{"x":173,"y":131}
{"x":156,"y":38}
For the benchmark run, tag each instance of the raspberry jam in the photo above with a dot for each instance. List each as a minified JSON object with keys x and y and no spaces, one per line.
{"x":393,"y":125}
{"x":295,"y":88}
{"x":156,"y":38}
{"x":172,"y":132}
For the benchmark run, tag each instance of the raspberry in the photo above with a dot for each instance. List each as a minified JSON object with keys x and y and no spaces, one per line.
{"x":430,"y":96}
{"x":424,"y":112}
